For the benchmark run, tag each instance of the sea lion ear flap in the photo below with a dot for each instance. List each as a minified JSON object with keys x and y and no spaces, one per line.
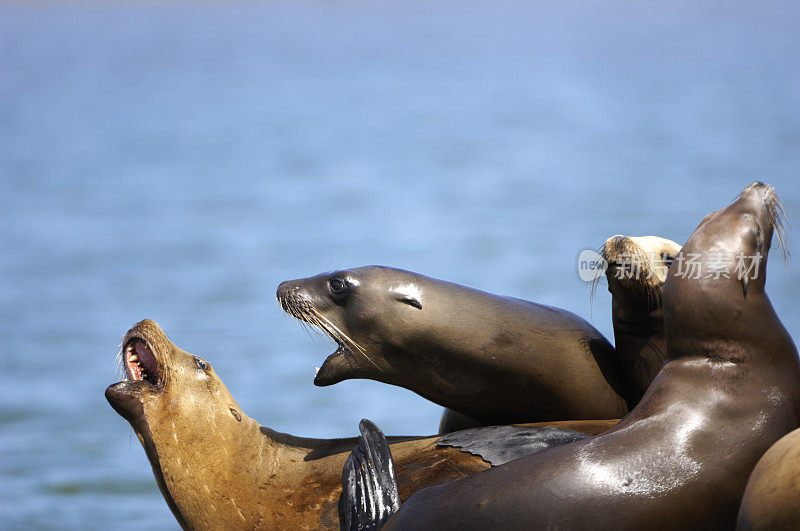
{"x":408,"y":294}
{"x":744,"y":285}
{"x":408,"y":299}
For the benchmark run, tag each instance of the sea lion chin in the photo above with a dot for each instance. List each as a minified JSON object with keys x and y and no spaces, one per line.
{"x":494,"y":359}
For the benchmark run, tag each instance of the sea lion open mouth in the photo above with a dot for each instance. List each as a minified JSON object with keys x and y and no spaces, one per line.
{"x":140,"y":363}
{"x":143,"y":359}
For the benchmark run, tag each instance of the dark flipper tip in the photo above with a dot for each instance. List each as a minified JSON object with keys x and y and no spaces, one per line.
{"x":369,"y":487}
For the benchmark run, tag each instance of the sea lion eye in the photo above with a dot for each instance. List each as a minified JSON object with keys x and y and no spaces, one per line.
{"x":202,"y":365}
{"x":338,"y":286}
{"x":667,"y":259}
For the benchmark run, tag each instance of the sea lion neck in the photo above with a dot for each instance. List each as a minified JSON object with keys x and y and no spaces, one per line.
{"x":226,"y":461}
{"x":640,"y":344}
{"x":638,"y":314}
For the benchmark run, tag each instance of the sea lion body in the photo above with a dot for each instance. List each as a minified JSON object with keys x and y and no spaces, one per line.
{"x":217,"y":468}
{"x":498,"y":360}
{"x":681,"y":458}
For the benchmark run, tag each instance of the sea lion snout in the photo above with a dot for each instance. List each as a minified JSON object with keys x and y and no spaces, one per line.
{"x":287,"y":288}
{"x":294,"y":299}
{"x":758,"y":189}
{"x":304,"y":296}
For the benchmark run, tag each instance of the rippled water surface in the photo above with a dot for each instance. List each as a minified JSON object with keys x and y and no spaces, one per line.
{"x":178,"y":160}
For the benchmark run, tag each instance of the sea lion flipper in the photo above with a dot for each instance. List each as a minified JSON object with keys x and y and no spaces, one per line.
{"x":369,"y":487}
{"x":500,"y":444}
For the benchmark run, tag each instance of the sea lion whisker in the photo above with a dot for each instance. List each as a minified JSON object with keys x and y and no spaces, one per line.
{"x":325,"y":324}
{"x":119,"y":371}
{"x":344,"y":345}
{"x":305,"y":312}
{"x":780,"y":221}
{"x":311,"y":321}
{"x":344,"y":336}
{"x":341,"y":334}
{"x":596,"y":280}
{"x":313,"y":333}
{"x":316,"y":329}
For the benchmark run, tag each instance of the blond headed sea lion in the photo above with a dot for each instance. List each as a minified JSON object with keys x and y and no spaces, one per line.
{"x":637,"y":270}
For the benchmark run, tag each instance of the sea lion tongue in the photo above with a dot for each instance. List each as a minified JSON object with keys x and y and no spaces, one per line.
{"x":140,"y":362}
{"x":337,"y":367}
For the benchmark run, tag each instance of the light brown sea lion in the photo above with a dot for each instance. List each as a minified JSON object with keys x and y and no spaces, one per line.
{"x":219,"y":469}
{"x":498,"y":360}
{"x":636,"y":272}
{"x":772,"y":497}
{"x":681,"y":458}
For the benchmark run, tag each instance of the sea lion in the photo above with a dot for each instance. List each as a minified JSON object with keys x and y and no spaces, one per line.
{"x":217,"y":468}
{"x":681,"y":458}
{"x":636,"y":272}
{"x":497,"y":360}
{"x":770,"y":500}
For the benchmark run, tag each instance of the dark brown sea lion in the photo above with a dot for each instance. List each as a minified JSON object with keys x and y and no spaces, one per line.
{"x":219,"y":469}
{"x":681,"y":458}
{"x":637,"y":270}
{"x":498,"y":360}
{"x":772,"y":497}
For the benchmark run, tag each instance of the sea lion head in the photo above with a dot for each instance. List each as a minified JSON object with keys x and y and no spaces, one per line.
{"x":638,"y":265}
{"x":180,"y":411}
{"x":364,"y":310}
{"x":714,"y":294}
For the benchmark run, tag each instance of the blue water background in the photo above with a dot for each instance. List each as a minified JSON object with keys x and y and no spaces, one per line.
{"x":178,"y":160}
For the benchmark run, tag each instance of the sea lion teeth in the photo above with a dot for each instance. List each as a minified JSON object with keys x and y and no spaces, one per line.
{"x":134,"y":358}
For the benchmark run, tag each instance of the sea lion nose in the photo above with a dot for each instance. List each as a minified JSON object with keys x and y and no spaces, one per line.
{"x":757,"y":189}
{"x":287,"y":288}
